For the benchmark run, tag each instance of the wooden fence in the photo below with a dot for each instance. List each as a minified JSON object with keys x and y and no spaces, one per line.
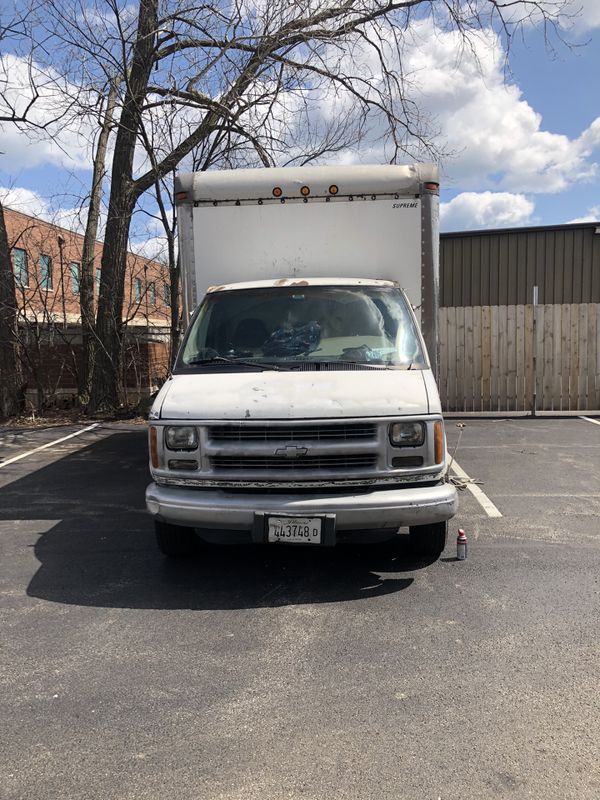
{"x":506,"y":358}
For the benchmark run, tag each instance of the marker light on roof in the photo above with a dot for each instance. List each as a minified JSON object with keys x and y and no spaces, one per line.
{"x":305,"y":191}
{"x":277,"y":191}
{"x":333,"y":189}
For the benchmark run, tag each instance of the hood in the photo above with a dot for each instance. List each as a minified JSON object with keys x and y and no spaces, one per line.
{"x":294,"y":395}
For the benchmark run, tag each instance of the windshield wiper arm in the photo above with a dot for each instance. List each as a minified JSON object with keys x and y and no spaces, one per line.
{"x":199,"y":362}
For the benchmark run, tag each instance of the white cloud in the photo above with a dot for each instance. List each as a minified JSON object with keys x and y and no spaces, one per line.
{"x":154,"y":248}
{"x":587,"y":15}
{"x":497,"y":137}
{"x":64,"y":141}
{"x":593,"y":215}
{"x":26,"y":201}
{"x":147,"y":236}
{"x":474,"y":210}
{"x":35,"y":205}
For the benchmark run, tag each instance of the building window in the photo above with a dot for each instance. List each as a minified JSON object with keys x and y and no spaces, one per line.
{"x":138,"y":290}
{"x":45,"y":272}
{"x":152,"y":293}
{"x":20,"y":266}
{"x":98,"y":276}
{"x":74,"y":271}
{"x":167,"y":294}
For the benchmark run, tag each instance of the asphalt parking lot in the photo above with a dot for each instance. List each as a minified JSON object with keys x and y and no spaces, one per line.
{"x":250,"y":673}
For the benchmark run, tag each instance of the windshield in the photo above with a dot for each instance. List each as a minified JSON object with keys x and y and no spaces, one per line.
{"x":317,"y":325}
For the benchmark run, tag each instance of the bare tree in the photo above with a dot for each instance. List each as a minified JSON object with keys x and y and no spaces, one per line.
{"x":247,"y":82}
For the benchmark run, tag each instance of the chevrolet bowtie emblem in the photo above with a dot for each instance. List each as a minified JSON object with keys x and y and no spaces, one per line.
{"x":291,"y":451}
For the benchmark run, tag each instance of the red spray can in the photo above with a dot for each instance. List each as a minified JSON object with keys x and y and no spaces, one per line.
{"x":461,"y":545}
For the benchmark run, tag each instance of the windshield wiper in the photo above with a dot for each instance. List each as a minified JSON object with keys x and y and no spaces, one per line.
{"x":202,"y":362}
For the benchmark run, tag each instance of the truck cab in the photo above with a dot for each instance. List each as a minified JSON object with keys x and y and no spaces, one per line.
{"x":303,"y":406}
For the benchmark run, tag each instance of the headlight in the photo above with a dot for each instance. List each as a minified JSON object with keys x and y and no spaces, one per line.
{"x":181,"y":437}
{"x":407,"y":434}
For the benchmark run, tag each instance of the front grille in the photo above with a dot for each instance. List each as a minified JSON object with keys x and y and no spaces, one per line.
{"x":340,"y":432}
{"x":262,"y":463}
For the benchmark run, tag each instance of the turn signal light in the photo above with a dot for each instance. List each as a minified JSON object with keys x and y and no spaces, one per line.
{"x":438,"y":441}
{"x":153,"y":447}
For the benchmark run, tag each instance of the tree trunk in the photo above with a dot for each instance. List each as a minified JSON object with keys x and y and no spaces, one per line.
{"x":174,"y":272}
{"x":107,"y":385}
{"x":107,"y":391}
{"x":12,"y":389}
{"x":86,"y":284}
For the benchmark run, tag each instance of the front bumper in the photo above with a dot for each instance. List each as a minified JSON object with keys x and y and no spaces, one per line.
{"x":219,"y":509}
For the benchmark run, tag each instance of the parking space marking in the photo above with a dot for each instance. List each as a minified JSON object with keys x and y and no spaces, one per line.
{"x":479,"y":495}
{"x":589,"y":419}
{"x":48,"y":444}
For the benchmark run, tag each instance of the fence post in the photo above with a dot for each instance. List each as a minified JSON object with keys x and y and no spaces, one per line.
{"x":534,"y":352}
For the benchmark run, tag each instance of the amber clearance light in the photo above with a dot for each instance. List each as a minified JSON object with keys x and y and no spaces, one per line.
{"x":305,"y":191}
{"x":277,"y":192}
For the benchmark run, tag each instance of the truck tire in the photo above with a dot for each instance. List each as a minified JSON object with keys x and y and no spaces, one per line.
{"x":175,"y":540}
{"x":428,"y":540}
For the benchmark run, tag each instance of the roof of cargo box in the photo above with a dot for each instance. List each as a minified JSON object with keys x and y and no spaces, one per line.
{"x":299,"y":282}
{"x":251,"y":184}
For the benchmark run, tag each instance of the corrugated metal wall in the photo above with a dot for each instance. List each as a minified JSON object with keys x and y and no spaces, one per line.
{"x":493,"y":268}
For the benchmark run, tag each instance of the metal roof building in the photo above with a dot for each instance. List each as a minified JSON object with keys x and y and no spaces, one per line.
{"x":501,"y":267}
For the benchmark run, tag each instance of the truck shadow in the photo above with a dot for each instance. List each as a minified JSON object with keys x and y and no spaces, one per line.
{"x":101,"y":551}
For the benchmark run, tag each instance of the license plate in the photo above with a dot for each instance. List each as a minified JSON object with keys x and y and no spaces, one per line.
{"x":295,"y":530}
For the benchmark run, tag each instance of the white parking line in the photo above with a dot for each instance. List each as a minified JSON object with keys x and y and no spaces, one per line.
{"x":479,"y":495}
{"x":48,"y":444}
{"x":589,"y":419}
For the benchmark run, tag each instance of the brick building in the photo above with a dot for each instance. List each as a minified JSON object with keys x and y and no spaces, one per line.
{"x":46,"y":262}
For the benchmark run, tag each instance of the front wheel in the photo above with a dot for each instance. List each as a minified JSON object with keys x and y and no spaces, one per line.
{"x":175,"y":540}
{"x":428,"y":540}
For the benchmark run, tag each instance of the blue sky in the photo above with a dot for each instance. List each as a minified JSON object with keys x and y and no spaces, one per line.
{"x":524,"y":145}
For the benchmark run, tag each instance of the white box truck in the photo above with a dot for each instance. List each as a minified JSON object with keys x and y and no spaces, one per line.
{"x":303,"y":404}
